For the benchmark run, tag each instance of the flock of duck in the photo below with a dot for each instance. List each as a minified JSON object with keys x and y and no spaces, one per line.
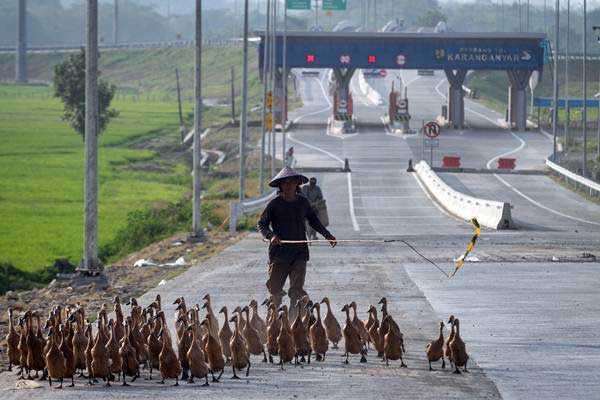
{"x":124,"y":344}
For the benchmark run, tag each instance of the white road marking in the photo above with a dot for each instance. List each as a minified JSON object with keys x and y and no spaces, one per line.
{"x":351,"y":203}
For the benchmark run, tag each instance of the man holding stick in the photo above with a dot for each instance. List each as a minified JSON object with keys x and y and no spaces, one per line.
{"x":285,"y":218}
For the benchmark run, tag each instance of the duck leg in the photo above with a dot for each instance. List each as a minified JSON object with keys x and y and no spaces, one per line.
{"x":363,"y":359}
{"x":50,"y":381}
{"x":347,"y":362}
{"x":309,"y":354}
{"x":61,"y":382}
{"x":281,"y":364}
{"x":220,"y":375}
{"x":191,"y":380}
{"x":176,"y":381}
{"x":234,"y":374}
{"x":134,"y":378}
{"x":265,"y":356}
{"x":270,"y":358}
{"x":150,"y":377}
{"x":72,"y":381}
{"x":456,"y":371}
{"x":206,"y":378}
{"x":402,"y":363}
{"x":466,"y":368}
{"x":443,"y":363}
{"x":125,"y":381}
{"x":107,"y":379}
{"x":431,"y":369}
{"x":248,"y":370}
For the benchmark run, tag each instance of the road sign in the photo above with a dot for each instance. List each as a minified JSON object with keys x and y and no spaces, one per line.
{"x":431,"y":143}
{"x":431,"y":130}
{"x":383,"y":73}
{"x":400,"y":59}
{"x":335,"y":5}
{"x":402,"y":104}
{"x":298,"y":4}
{"x":345,"y":59}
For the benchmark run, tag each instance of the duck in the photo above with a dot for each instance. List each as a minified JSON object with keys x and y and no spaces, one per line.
{"x":240,"y":356}
{"x":119,"y":319}
{"x":318,"y":335}
{"x":458,"y":349}
{"x":253,"y":340}
{"x":392,"y":344}
{"x":55,"y":360}
{"x":181,"y":310}
{"x":183,"y":345}
{"x":359,"y":325}
{"x":195,"y":355}
{"x":80,"y":340}
{"x":447,"y":351}
{"x":113,"y":349}
{"x":214,"y":352}
{"x":383,"y":329}
{"x":12,"y":342}
{"x":225,"y":335}
{"x":130,"y":365}
{"x":35,"y":347}
{"x":214,"y":322}
{"x":374,"y":331}
{"x":300,"y":336}
{"x":352,"y":341}
{"x":168,"y":364}
{"x":241,"y":319}
{"x":435,"y":349}
{"x":69,"y":356}
{"x":258,"y":323}
{"x":100,"y":366}
{"x":154,"y":343}
{"x":285,"y":342}
{"x":136,"y":337}
{"x":88,"y":353}
{"x":332,"y":326}
{"x":273,"y":330}
{"x":309,"y":317}
{"x":22,"y":347}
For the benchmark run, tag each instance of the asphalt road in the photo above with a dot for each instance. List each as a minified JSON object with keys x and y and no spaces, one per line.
{"x":530,"y":323}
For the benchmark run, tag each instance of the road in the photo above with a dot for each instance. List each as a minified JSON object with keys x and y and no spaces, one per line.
{"x":530,"y":323}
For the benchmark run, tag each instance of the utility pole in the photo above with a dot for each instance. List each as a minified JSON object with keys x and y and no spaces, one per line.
{"x":244,"y":117}
{"x":21,"y":56}
{"x":596,"y":28}
{"x":232,"y":95}
{"x":91,"y":265}
{"x":555,"y":82}
{"x":197,"y":230}
{"x":265,"y":82}
{"x":273,"y":77}
{"x":285,"y":82}
{"x":584,"y":77}
{"x":567,"y":96}
{"x":181,"y":126}
{"x":116,"y":22}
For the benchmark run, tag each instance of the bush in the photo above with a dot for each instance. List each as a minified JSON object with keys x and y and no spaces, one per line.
{"x":12,"y":278}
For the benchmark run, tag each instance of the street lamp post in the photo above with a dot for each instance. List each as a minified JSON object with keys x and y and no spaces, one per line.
{"x":584,"y":77}
{"x":567,"y":107}
{"x":597,"y":28}
{"x":555,"y":82}
{"x":244,"y":118}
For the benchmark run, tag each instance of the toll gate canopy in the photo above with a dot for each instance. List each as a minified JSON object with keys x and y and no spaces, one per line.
{"x":441,"y":51}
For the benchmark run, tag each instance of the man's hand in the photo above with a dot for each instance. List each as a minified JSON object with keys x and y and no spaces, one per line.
{"x":275,"y":240}
{"x":332,"y":240}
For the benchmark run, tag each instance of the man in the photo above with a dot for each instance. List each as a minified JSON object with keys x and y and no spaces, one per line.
{"x":314,"y":195}
{"x":284,"y":219}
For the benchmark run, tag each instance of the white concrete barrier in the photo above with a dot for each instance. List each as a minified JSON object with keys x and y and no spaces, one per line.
{"x":249,"y":206}
{"x":491,"y":214}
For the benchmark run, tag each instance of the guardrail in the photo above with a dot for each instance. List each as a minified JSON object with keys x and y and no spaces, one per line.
{"x":491,"y":214}
{"x":578,"y":179}
{"x":237,"y":210}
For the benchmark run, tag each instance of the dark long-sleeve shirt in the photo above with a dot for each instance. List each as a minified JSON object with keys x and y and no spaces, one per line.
{"x":287,"y":220}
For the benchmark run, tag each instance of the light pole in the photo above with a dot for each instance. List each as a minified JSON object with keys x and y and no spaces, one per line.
{"x":244,"y":118}
{"x":90,"y":264}
{"x":265,"y":81}
{"x":555,"y":82}
{"x":584,"y":77}
{"x":567,"y":107}
{"x":597,"y":28}
{"x":21,"y":56}
{"x":285,"y":82}
{"x":197,"y":231}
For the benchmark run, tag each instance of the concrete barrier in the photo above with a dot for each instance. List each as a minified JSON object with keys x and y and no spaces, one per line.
{"x":249,"y":206}
{"x":491,"y":214}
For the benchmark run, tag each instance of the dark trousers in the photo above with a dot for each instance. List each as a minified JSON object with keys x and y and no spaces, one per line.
{"x":278,"y":274}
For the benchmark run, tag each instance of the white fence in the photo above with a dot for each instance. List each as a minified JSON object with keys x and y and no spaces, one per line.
{"x":578,"y":179}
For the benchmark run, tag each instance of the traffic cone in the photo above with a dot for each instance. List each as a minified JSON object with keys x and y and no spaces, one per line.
{"x":346,"y":165}
{"x":410,"y":166}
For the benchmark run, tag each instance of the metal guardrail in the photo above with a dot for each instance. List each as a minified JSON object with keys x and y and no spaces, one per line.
{"x":568,"y":175}
{"x":250,"y":206}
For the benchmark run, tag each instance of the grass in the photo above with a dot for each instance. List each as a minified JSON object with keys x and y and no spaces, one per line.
{"x":41,"y":176}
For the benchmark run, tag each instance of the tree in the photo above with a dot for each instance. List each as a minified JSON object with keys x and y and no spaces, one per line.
{"x":69,"y":86}
{"x":432,"y":17}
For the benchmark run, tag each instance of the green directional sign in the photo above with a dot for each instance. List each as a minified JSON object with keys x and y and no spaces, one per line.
{"x":299,"y":4}
{"x":335,"y":5}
